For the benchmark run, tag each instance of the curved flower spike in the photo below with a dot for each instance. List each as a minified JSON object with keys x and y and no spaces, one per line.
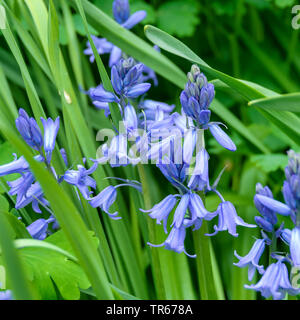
{"x":274,"y":205}
{"x":175,"y":241}
{"x":221,"y":137}
{"x":104,"y":200}
{"x":252,"y":258}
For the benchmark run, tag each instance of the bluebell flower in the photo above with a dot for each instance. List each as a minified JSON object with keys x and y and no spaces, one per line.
{"x":175,"y":241}
{"x":274,"y":205}
{"x":6,"y":295}
{"x":275,"y":282}
{"x":286,"y":235}
{"x":50,"y":132}
{"x":268,"y":214}
{"x":195,"y":100}
{"x":181,"y":211}
{"x":252,"y":258}
{"x":121,"y":12}
{"x":16,"y":166}
{"x":38,"y":229}
{"x":104,"y":200}
{"x":161,"y":210}
{"x":81,"y":179}
{"x":29,"y":130}
{"x":199,"y":179}
{"x":222,"y":138}
{"x":228,"y":219}
{"x":295,"y":246}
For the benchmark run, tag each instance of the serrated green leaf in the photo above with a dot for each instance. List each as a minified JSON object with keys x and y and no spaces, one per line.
{"x":48,"y":261}
{"x":179,"y":17}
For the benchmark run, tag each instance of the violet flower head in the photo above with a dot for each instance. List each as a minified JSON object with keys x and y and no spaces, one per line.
{"x":81,"y":179}
{"x":6,"y":295}
{"x":275,"y":282}
{"x":252,"y":258}
{"x":29,"y":130}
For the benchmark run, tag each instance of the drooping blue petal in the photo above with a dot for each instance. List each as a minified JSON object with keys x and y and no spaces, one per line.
{"x":181,"y":211}
{"x":17,"y":166}
{"x":134,"y":19}
{"x":264,"y":224}
{"x":228,"y":219}
{"x":252,"y":258}
{"x":275,"y":282}
{"x":175,"y":241}
{"x":137,"y":90}
{"x":115,"y":56}
{"x":221,"y":137}
{"x":161,"y":210}
{"x":104,"y":200}
{"x":274,"y":205}
{"x":38,"y":229}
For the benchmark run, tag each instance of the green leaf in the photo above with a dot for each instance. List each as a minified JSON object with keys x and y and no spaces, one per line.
{"x":15,"y":270}
{"x":285,"y":102}
{"x":79,"y":26}
{"x":68,"y":218}
{"x":270,"y":162}
{"x":49,"y":263}
{"x":179,"y":17}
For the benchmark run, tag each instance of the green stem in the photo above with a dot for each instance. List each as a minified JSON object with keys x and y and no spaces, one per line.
{"x":158,"y":279}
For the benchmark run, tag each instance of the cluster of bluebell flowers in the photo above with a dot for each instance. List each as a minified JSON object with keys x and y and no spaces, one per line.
{"x":25,"y":187}
{"x":275,"y":280}
{"x":174,"y":142}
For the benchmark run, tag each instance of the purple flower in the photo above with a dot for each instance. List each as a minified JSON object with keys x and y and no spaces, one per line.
{"x":6,"y":295}
{"x":181,"y":211}
{"x":121,"y":10}
{"x":275,"y":282}
{"x":175,"y":241}
{"x":252,"y":258}
{"x":29,"y":130}
{"x":199,"y":179}
{"x":104,"y":200}
{"x":274,"y":205}
{"x":228,"y":219}
{"x":17,"y":166}
{"x":38,"y":229}
{"x":50,"y":132}
{"x":161,"y":210}
{"x":222,"y":138}
{"x":81,"y":179}
{"x":295,"y":246}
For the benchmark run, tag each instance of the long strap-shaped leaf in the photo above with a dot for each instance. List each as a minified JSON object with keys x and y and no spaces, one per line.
{"x":284,"y":120}
{"x":68,"y":217}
